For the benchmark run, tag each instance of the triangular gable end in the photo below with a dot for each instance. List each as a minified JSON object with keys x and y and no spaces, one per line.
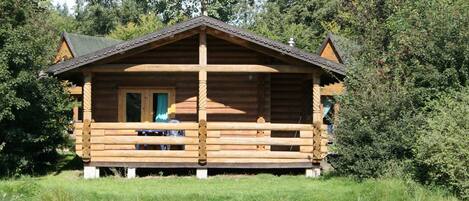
{"x":329,"y":50}
{"x":64,"y":52}
{"x":185,"y":51}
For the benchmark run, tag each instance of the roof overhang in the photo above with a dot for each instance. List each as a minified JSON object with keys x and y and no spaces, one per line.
{"x":193,"y":24}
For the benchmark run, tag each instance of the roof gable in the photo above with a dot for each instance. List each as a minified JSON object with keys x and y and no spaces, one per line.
{"x":82,"y":44}
{"x":329,"y":52}
{"x":330,"y":49}
{"x":343,"y":48}
{"x":190,"y":25}
{"x":63,"y":52}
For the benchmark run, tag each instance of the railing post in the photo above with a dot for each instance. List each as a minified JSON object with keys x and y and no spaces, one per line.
{"x":86,"y":144}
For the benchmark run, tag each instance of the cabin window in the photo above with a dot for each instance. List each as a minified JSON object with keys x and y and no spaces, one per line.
{"x":146,"y":104}
{"x":133,"y":107}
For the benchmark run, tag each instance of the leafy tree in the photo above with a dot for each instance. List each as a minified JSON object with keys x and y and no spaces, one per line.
{"x":34,"y":108}
{"x":146,"y":24}
{"x":96,"y":17}
{"x":442,"y":147}
{"x":409,"y":55}
{"x":306,"y":21}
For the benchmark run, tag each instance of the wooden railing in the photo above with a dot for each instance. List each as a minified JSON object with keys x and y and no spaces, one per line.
{"x":116,"y":142}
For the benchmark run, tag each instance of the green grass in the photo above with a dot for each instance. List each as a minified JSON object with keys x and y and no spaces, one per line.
{"x":69,"y":185}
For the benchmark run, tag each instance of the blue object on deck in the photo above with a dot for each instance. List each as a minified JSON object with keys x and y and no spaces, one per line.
{"x":148,"y":133}
{"x":171,"y":133}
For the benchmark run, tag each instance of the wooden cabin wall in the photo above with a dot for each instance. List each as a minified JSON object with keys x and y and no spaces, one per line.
{"x":220,"y":51}
{"x":231,"y":97}
{"x":186,"y":51}
{"x":290,"y":103}
{"x":291,"y":98}
{"x":105,"y":92}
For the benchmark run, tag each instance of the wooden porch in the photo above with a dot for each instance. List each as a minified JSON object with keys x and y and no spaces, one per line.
{"x":114,"y":145}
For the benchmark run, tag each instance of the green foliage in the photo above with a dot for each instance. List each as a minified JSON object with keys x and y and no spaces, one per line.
{"x":442,"y":148}
{"x":146,"y":24}
{"x":34,"y":109}
{"x":306,"y":21}
{"x":97,"y":17}
{"x":103,"y":17}
{"x":409,"y":54}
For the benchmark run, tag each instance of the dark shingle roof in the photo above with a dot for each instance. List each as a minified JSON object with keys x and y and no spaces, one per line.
{"x":82,"y":44}
{"x":190,"y":24}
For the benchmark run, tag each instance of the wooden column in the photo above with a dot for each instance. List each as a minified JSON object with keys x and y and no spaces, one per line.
{"x":86,"y":136}
{"x":87,"y":96}
{"x":202,"y":99}
{"x":316,"y":116}
{"x":316,"y":80}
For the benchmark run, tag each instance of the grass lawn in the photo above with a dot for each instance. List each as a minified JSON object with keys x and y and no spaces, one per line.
{"x":69,"y":185}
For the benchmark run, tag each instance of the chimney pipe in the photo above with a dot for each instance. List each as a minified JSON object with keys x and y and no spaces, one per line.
{"x":204,"y":7}
{"x":291,"y":42}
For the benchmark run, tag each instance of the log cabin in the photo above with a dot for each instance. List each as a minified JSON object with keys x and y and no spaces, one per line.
{"x":200,"y":94}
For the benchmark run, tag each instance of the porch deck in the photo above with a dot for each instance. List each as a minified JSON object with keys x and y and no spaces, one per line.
{"x":114,"y":145}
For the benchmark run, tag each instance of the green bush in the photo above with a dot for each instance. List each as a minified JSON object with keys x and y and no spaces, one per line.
{"x":34,"y":109}
{"x":442,"y":148}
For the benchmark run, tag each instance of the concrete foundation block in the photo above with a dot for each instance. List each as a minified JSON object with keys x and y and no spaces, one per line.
{"x":202,"y":173}
{"x":313,"y":172}
{"x":90,"y":172}
{"x":131,"y":173}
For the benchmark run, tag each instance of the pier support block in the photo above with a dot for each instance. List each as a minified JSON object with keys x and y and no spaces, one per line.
{"x":131,"y":173}
{"x":202,"y":173}
{"x":313,"y":172}
{"x":90,"y":172}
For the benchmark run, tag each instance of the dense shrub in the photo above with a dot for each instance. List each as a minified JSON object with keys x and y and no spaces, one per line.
{"x":409,"y":54}
{"x":442,"y":148}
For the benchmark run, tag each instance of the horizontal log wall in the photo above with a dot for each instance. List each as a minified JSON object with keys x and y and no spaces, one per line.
{"x":223,"y":52}
{"x":185,"y":51}
{"x":290,"y":103}
{"x":231,"y":97}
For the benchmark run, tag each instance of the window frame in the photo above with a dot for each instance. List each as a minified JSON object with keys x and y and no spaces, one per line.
{"x":146,"y":101}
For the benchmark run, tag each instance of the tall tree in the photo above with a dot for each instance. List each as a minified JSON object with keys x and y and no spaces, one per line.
{"x":33,"y":108}
{"x":306,"y":21}
{"x":410,"y":54}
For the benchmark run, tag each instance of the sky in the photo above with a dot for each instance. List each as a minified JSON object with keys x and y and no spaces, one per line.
{"x":70,"y":3}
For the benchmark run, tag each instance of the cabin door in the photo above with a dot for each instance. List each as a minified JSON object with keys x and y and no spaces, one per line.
{"x":146,"y":104}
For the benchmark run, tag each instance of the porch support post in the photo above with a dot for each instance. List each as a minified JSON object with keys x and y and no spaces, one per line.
{"x":316,"y":80}
{"x":202,"y":103}
{"x":316,"y":116}
{"x":87,"y":96}
{"x":86,"y":135}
